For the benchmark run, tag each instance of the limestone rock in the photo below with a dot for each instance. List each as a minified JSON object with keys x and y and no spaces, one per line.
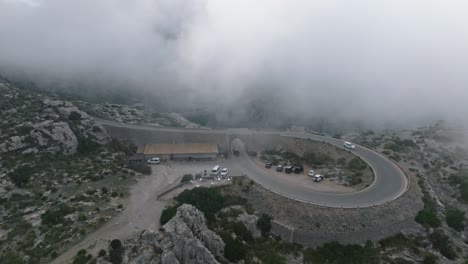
{"x":185,"y":240}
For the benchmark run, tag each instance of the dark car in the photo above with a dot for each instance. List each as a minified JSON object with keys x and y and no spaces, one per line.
{"x":236,"y":152}
{"x":288,"y":169}
{"x":268,"y":165}
{"x":279,"y":168}
{"x":298,"y":169}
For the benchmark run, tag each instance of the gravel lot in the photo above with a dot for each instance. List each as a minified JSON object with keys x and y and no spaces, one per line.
{"x":142,"y":210}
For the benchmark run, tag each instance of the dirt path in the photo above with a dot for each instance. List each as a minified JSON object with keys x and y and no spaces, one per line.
{"x":142,"y":211}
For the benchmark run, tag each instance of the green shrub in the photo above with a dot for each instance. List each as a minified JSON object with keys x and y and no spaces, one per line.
{"x":355,"y":180}
{"x":234,"y":249}
{"x":116,"y":252}
{"x":87,"y":146}
{"x":317,"y":159}
{"x":54,"y":216}
{"x":81,"y":257}
{"x":455,"y":219}
{"x":74,"y":116}
{"x":357,"y":164}
{"x":428,"y":218}
{"x":168,"y":213}
{"x":141,"y":168}
{"x":102,"y":253}
{"x":240,"y":230}
{"x":335,"y":253}
{"x":264,"y":224}
{"x":464,"y":191}
{"x":399,"y":241}
{"x":430,"y":259}
{"x":11,"y":257}
{"x":21,"y":176}
{"x":443,"y":244}
{"x":207,"y":200}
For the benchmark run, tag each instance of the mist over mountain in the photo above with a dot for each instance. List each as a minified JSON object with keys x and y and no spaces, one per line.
{"x":365,"y":64}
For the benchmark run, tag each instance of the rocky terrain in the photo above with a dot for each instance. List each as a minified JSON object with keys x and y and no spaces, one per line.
{"x":136,"y":115}
{"x":61,"y":175}
{"x":184,"y":239}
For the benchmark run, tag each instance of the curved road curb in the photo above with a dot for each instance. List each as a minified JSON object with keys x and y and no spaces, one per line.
{"x":390,"y":182}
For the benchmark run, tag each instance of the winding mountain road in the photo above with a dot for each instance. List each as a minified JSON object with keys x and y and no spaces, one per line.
{"x":389,"y":183}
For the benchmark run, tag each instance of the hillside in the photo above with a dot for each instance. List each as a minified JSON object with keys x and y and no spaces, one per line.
{"x":61,"y":175}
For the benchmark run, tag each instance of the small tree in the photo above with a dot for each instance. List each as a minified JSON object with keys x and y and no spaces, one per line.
{"x":428,"y":218}
{"x":264,"y":223}
{"x":74,"y":116}
{"x":116,"y":252}
{"x":455,"y":219}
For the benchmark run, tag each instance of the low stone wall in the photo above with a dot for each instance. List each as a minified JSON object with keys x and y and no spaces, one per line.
{"x":310,"y":238}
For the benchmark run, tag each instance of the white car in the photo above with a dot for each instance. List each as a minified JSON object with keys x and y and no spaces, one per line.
{"x":349,"y":145}
{"x":318,"y":178}
{"x":154,"y":161}
{"x":224,"y":172}
{"x":311,"y":173}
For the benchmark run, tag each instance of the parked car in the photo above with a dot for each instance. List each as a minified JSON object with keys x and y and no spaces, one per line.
{"x":311,"y":173}
{"x":224,"y":172}
{"x":288,"y":169}
{"x":349,"y":145}
{"x":268,"y":165}
{"x":154,"y":161}
{"x":236,"y":152}
{"x":298,"y":169}
{"x":279,"y":168}
{"x":318,"y":178}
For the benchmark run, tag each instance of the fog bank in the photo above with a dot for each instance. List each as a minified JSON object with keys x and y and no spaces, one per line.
{"x":376,"y":63}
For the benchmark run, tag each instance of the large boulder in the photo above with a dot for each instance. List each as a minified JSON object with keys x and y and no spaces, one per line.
{"x":185,"y":239}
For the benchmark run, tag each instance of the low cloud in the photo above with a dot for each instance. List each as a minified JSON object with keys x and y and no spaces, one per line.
{"x":377,"y":63}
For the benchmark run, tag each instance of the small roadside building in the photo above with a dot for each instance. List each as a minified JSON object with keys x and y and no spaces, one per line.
{"x":190,"y":151}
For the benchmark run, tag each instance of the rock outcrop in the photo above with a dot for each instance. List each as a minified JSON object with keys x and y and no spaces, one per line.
{"x":185,"y":239}
{"x":34,"y":123}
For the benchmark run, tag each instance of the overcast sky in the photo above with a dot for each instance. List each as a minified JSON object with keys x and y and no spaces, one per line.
{"x":384,"y":61}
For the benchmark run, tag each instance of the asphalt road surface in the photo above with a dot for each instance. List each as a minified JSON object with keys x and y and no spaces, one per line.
{"x":389,"y":183}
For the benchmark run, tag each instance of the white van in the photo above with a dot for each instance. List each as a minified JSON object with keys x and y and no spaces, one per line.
{"x":216,"y":170}
{"x":349,"y":145}
{"x":154,"y":161}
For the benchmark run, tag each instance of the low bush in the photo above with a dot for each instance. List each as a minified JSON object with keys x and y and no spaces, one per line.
{"x":337,"y":253}
{"x":455,"y":219}
{"x":74,"y":116}
{"x":168,"y":213}
{"x":443,"y":244}
{"x":116,"y":252}
{"x":141,"y":168}
{"x":428,"y":218}
{"x":21,"y":176}
{"x":264,"y":224}
{"x":357,"y":164}
{"x":234,"y":249}
{"x":81,"y":257}
{"x":54,"y":216}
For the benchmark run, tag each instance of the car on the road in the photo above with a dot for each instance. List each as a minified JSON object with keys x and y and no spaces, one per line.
{"x":311,"y":173}
{"x":154,"y":161}
{"x":279,"y":168}
{"x":224,"y":172}
{"x":349,"y":145}
{"x":318,"y":178}
{"x":236,"y":152}
{"x":268,"y":165}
